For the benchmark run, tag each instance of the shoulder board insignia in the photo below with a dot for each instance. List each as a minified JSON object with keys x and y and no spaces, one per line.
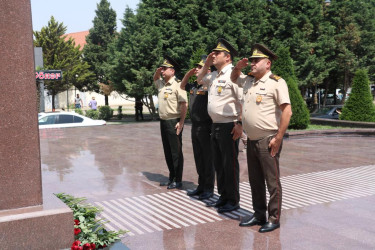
{"x":275,"y":77}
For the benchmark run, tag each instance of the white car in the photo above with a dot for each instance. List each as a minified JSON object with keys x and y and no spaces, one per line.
{"x":66,"y":120}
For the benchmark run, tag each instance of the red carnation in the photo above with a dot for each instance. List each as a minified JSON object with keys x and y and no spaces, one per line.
{"x":93,"y":246}
{"x":76,"y":243}
{"x":87,"y":246}
{"x":77,"y":231}
{"x":76,"y":222}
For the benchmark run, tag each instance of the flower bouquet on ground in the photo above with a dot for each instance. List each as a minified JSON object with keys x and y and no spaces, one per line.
{"x":89,"y":233}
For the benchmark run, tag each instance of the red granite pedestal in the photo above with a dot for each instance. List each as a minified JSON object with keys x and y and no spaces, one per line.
{"x":26,"y":222}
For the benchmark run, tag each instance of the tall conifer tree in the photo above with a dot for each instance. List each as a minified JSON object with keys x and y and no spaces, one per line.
{"x":96,"y":50}
{"x":359,"y":107}
{"x":283,"y":67}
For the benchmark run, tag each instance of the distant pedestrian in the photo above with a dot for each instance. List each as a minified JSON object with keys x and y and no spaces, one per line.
{"x":138,"y":108}
{"x":78,"y":102}
{"x":93,"y":104}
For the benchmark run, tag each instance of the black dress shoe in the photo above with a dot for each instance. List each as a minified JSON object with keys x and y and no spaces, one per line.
{"x":268,"y":227}
{"x":205,"y":195}
{"x":251,"y":221}
{"x":217,"y":203}
{"x":174,"y":185}
{"x":228,"y":208}
{"x":166,"y":183}
{"x":194,"y":192}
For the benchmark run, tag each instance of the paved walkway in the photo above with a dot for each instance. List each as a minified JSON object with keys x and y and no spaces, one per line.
{"x":328,"y":189}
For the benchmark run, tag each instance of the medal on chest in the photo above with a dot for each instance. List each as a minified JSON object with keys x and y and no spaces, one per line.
{"x":259,"y":99}
{"x":165,"y":95}
{"x":221,"y":84}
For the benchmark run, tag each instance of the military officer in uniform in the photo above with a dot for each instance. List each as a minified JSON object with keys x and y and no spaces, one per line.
{"x":266,"y":115}
{"x":172,"y":111}
{"x":200,"y":133}
{"x":224,"y":108}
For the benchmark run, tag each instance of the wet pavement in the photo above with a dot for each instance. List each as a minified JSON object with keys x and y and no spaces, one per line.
{"x":328,"y":190}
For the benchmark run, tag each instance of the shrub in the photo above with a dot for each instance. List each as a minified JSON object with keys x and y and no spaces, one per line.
{"x":105,"y":113}
{"x":93,"y":114}
{"x":119,"y":112}
{"x":283,"y":67}
{"x":78,"y":111}
{"x":359,"y":106}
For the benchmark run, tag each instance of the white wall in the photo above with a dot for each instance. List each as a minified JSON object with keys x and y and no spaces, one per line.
{"x":115,"y":99}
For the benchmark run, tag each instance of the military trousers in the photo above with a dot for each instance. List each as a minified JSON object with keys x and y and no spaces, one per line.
{"x":264,"y":169}
{"x":225,"y":159}
{"x":200,"y":137}
{"x":172,"y":145}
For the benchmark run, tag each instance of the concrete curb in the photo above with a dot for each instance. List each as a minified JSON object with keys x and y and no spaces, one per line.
{"x":330,"y":132}
{"x":341,"y":123}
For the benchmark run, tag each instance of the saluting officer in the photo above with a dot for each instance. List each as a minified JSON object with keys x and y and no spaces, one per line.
{"x":200,"y":133}
{"x":172,"y":112}
{"x":266,"y":115}
{"x":224,"y":108}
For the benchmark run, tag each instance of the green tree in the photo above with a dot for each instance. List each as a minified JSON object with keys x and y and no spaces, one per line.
{"x":177,"y":28}
{"x":100,"y":37}
{"x":359,"y":107}
{"x":302,"y":27}
{"x":327,"y":42}
{"x":61,"y":54}
{"x":135,"y":55}
{"x":354,"y":24}
{"x":283,"y":66}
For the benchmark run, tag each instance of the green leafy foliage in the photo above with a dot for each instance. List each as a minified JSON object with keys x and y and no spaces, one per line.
{"x":359,"y":107}
{"x":105,"y":113}
{"x":96,"y":50}
{"x":78,"y":111}
{"x":284,"y":68}
{"x":59,"y":54}
{"x":327,"y":42}
{"x":87,"y":228}
{"x":93,"y":114}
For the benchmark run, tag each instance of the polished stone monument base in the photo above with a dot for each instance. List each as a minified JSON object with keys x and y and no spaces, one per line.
{"x":27,"y":221}
{"x":49,"y":226}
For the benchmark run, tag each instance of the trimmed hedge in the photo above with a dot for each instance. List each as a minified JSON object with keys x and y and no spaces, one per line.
{"x":105,"y":113}
{"x":93,"y":114}
{"x":359,"y":106}
{"x":78,"y":111}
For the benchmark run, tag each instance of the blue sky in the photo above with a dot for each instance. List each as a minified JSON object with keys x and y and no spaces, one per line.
{"x":77,"y":15}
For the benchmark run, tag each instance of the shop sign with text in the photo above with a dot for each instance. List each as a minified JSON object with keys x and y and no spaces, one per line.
{"x":48,"y":75}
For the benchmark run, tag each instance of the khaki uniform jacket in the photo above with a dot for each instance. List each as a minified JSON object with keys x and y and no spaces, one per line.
{"x":169,"y":96}
{"x":224,"y":97}
{"x":261,"y":109}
